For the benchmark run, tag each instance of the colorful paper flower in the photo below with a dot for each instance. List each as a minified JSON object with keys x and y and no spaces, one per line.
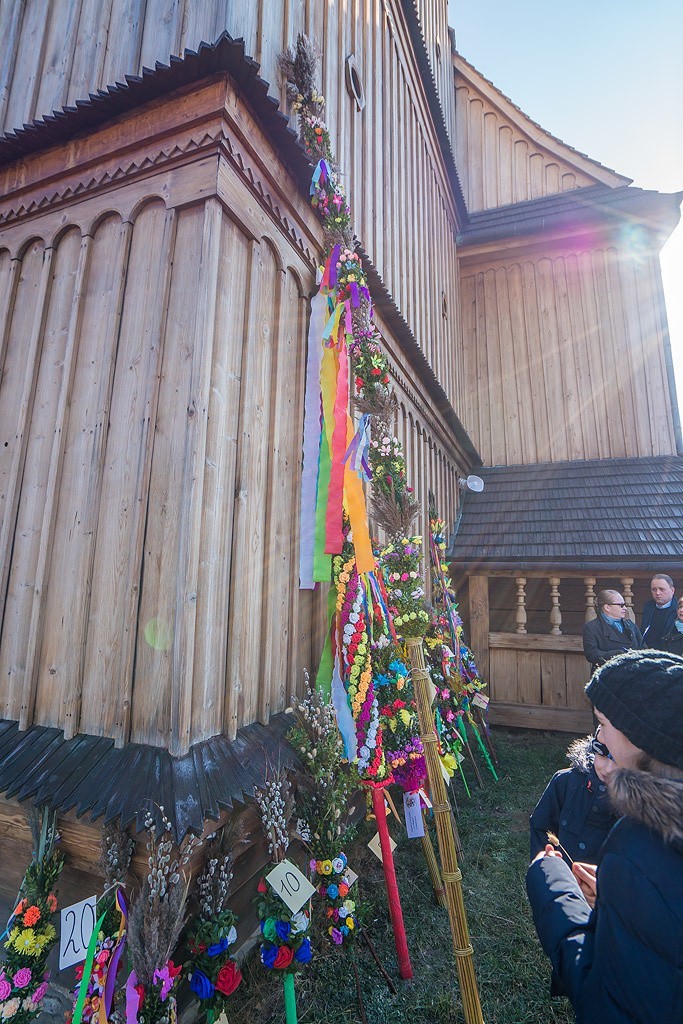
{"x":285,"y":955}
{"x":5,"y":989}
{"x":22,"y":978}
{"x":201,"y":985}
{"x":229,"y":977}
{"x":283,"y":928}
{"x":32,"y":916}
{"x":268,"y":954}
{"x":304,"y":953}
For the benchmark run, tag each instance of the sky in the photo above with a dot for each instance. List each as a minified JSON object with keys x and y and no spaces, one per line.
{"x":606,"y":78}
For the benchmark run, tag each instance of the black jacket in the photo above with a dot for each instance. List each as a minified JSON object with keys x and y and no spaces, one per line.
{"x":575,"y":806}
{"x":648,"y":611}
{"x":673,"y":642}
{"x":621,"y":963}
{"x":602,"y":640}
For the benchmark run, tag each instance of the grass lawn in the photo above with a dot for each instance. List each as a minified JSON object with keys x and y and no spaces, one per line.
{"x":512,"y":972}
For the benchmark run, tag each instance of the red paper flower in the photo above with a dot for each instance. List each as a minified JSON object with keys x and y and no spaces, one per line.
{"x":31,"y":916}
{"x":229,"y":977}
{"x":262,"y":887}
{"x":140,"y":989}
{"x":284,"y":957}
{"x":173,"y":971}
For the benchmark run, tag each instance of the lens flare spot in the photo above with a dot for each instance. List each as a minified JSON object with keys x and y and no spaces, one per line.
{"x":158,"y":634}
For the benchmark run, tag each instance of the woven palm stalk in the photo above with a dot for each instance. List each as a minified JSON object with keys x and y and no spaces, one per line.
{"x":433,"y":868}
{"x":443,"y":817}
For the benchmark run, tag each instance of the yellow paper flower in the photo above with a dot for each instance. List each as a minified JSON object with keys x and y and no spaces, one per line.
{"x":25,"y":942}
{"x":449,"y":763}
{"x":326,"y":867}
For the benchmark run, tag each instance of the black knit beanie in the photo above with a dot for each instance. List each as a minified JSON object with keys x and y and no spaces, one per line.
{"x":641,"y":693}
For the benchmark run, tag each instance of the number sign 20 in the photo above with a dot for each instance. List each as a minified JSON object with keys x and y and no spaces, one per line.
{"x":77,"y":923}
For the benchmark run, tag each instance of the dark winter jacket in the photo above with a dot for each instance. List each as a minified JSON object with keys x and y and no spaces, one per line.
{"x":621,"y":963}
{"x":672,"y":642}
{"x":602,"y":640}
{"x":575,"y":806}
{"x":648,"y":611}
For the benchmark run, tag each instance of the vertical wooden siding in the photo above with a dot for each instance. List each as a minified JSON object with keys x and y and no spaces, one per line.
{"x":59,"y":53}
{"x":564,"y":359}
{"x":506,"y":159}
{"x":150,"y":438}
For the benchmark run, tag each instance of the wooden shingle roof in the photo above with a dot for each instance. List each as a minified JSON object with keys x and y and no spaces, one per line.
{"x":89,"y":775}
{"x":602,"y":514}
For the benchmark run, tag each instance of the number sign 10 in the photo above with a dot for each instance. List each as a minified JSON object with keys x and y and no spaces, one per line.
{"x":77,"y":923}
{"x":291,"y":886}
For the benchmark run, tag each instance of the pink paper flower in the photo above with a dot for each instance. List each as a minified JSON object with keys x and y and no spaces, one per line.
{"x":5,"y":989}
{"x":37,"y":996}
{"x":23,"y":977}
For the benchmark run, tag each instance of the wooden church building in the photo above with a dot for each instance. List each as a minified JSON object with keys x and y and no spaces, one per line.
{"x":157,"y":258}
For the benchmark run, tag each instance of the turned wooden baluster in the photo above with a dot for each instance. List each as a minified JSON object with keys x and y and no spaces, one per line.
{"x":555,"y":613}
{"x":520,"y":614}
{"x":627,"y":591}
{"x":589,"y":582}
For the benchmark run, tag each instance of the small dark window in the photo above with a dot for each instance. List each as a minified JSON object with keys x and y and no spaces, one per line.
{"x":354,"y":85}
{"x":444,"y":306}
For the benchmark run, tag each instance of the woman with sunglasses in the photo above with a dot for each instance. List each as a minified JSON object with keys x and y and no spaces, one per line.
{"x":610,"y":632}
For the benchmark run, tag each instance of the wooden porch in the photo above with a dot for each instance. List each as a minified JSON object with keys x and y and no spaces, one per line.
{"x":525,"y":632}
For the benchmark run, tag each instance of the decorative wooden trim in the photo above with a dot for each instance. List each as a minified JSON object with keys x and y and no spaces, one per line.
{"x":535,"y":642}
{"x":536,"y":716}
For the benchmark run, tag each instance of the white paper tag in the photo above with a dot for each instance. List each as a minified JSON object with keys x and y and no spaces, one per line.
{"x":413,"y":811}
{"x":460,"y":757}
{"x":351,"y":875}
{"x":376,"y":846}
{"x":290,"y":885}
{"x":480,"y":701}
{"x":431,"y":690}
{"x":425,"y":799}
{"x":77,"y":923}
{"x":223,"y":1019}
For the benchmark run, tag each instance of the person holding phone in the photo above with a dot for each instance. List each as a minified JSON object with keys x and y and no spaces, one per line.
{"x":575,"y":804}
{"x":614,"y":931}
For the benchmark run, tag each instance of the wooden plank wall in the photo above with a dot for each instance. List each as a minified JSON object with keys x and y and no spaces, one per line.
{"x":564,"y":357}
{"x":504,"y":157}
{"x":152,"y":354}
{"x":389,"y":152}
{"x":150,"y":468}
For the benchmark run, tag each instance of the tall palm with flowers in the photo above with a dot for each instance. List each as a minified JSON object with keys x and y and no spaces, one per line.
{"x":31,"y":934}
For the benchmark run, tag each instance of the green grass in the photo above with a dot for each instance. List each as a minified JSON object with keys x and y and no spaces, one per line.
{"x":512,"y":972}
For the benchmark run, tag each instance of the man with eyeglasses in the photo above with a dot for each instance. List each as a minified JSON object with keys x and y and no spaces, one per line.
{"x":610,"y":632}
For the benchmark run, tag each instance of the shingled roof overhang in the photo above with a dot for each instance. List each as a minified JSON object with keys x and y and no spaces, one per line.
{"x":604,"y":515}
{"x":576,"y":211}
{"x":89,"y":775}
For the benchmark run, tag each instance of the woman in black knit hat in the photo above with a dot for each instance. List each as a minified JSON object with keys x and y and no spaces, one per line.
{"x":614,"y":933}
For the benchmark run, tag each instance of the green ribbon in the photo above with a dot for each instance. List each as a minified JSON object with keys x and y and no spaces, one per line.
{"x":482,"y":745}
{"x":87,"y":971}
{"x":290,"y":999}
{"x":323,"y":681}
{"x":322,"y":563}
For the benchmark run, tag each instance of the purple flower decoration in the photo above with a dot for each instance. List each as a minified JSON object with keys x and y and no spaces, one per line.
{"x":23,"y":977}
{"x":5,"y":989}
{"x":337,"y":937}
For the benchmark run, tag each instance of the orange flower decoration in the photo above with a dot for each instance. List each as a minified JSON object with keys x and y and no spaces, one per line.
{"x":32,"y":916}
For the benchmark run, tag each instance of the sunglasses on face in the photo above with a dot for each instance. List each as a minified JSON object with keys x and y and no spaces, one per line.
{"x":596,"y":746}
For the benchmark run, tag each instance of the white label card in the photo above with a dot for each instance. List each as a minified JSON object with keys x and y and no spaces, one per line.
{"x":290,"y":885}
{"x":480,"y":701}
{"x":351,"y":875}
{"x":76,"y":926}
{"x":431,"y":690}
{"x":376,"y":846}
{"x":425,"y":799}
{"x":413,"y":812}
{"x":223,"y":1019}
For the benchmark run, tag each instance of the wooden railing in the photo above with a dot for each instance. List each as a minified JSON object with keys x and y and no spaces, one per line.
{"x":536,"y":679}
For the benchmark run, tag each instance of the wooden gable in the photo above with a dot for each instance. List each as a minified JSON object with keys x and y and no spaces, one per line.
{"x":504,"y":157}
